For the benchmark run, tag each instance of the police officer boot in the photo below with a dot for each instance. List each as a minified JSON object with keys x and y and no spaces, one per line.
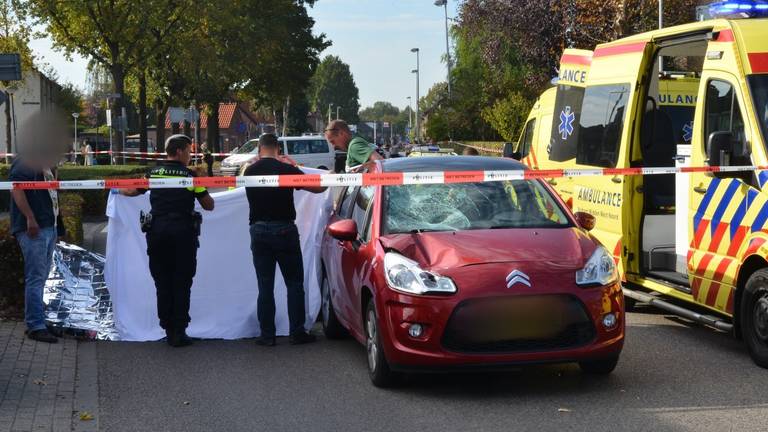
{"x":178,"y":338}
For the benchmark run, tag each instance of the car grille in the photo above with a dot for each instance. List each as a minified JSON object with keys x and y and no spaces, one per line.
{"x":518,"y":324}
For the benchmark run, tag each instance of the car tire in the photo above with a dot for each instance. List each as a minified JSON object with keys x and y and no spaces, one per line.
{"x":378,"y":367}
{"x":754,"y":317}
{"x":331,"y":325}
{"x":602,"y":366}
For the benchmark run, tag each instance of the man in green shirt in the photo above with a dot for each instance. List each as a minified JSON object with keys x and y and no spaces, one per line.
{"x":359,"y":151}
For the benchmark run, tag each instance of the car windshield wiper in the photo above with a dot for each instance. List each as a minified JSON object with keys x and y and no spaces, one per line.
{"x":424,"y":230}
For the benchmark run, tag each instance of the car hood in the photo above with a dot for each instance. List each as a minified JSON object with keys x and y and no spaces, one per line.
{"x":238,"y":159}
{"x":560,"y":249}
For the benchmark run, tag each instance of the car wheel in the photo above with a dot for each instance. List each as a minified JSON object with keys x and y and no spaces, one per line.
{"x":378,"y":368}
{"x":602,"y":366}
{"x":754,"y":317}
{"x":331,"y":325}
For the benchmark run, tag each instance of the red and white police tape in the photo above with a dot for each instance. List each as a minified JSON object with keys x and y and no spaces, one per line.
{"x":365,"y":179}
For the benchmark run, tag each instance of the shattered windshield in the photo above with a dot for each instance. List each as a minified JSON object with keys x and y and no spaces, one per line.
{"x":468,"y":206}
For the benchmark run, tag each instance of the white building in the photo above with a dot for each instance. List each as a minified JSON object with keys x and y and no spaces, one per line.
{"x":34,"y":94}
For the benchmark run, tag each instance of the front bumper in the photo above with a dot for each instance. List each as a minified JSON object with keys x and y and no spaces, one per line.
{"x":229,"y":171}
{"x":437,"y":348}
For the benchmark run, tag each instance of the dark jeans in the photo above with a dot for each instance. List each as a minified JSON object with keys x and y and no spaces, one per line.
{"x":38,"y":258}
{"x":278,"y":243}
{"x":172,"y":250}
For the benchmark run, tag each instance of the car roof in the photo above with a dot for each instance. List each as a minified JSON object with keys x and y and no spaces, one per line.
{"x":451,"y":163}
{"x":297,"y":138}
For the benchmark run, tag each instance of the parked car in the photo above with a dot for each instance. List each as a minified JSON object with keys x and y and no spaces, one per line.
{"x":310,"y":150}
{"x":419,"y":151}
{"x":435,"y":277}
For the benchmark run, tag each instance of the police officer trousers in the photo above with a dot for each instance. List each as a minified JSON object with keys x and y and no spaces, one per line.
{"x":172,"y":249}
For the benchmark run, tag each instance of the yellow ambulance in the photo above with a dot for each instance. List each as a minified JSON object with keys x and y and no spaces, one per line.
{"x":693,"y":95}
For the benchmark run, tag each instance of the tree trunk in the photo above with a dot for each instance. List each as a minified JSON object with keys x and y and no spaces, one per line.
{"x":286,"y":107}
{"x":213,"y":128}
{"x":143,"y":147}
{"x":8,"y":120}
{"x":161,"y":111}
{"x":118,"y":77}
{"x":187,"y":129}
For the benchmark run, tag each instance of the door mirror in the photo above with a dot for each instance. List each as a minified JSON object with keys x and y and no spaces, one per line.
{"x":720,"y":148}
{"x":585,"y":220}
{"x":344,"y":230}
{"x":509,"y":150}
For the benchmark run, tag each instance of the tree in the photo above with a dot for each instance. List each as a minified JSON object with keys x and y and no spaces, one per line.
{"x":117,"y":35}
{"x":334,"y":85}
{"x":14,"y":38}
{"x":380,"y":111}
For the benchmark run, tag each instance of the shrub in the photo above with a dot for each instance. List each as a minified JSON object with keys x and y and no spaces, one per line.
{"x":71,"y":207}
{"x":11,"y":270}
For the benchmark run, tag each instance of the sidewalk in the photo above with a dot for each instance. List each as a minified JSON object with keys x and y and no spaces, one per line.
{"x":46,"y":387}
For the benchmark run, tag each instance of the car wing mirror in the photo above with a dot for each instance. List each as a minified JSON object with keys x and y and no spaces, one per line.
{"x":509,"y":150}
{"x":720,"y":149}
{"x":585,"y":220}
{"x":344,"y":230}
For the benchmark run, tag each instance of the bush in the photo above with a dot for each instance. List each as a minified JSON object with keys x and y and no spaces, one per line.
{"x":71,"y":208}
{"x":11,"y":271}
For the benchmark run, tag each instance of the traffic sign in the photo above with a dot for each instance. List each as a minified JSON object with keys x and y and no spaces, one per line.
{"x":10,"y":67}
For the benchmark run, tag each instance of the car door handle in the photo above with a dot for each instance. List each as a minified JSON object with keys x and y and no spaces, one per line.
{"x":700,"y":189}
{"x":616,"y":179}
{"x":552,"y":181}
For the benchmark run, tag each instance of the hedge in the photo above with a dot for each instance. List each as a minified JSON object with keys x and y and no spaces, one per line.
{"x":11,"y":271}
{"x":497,"y":146}
{"x":94,"y":201}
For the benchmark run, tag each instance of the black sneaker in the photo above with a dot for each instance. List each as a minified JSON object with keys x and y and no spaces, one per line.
{"x":301,"y":338}
{"x":42,"y":335}
{"x":266,"y":341}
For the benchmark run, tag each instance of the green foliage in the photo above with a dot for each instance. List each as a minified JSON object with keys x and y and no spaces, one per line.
{"x":508,"y":115}
{"x":71,"y":207}
{"x":11,"y":270}
{"x":333,"y":84}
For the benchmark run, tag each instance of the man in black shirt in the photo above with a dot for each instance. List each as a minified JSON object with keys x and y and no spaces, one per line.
{"x":275,"y":240}
{"x":172,"y":238}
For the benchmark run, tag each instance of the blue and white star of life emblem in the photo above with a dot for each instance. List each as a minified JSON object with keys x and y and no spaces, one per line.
{"x":566,"y":122}
{"x":688,"y":131}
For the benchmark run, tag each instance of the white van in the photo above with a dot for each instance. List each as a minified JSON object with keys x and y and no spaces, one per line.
{"x":310,"y":150}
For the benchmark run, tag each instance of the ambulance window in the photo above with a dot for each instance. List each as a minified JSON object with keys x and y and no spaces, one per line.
{"x":564,"y":127}
{"x":601,"y":124}
{"x":527,"y":138}
{"x":723,"y":113}
{"x":759,"y":86}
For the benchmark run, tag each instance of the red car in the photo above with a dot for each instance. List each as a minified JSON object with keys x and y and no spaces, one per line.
{"x":436,"y":277}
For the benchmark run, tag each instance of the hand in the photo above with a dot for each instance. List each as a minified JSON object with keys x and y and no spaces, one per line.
{"x":287,"y":159}
{"x":200,"y":171}
{"x":33,"y":229}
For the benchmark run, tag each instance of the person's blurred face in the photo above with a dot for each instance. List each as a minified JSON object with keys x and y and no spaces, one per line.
{"x":338,"y":138}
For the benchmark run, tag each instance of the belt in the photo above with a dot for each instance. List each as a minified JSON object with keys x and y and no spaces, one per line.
{"x":172,"y":215}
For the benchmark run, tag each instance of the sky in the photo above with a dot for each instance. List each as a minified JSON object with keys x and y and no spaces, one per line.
{"x":373,"y":36}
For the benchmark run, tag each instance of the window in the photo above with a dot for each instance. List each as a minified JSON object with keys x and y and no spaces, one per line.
{"x":723,"y":115}
{"x":601,"y":125}
{"x":564,"y":131}
{"x":346,"y":204}
{"x":297,"y":147}
{"x":362,"y":202}
{"x":527,"y":139}
{"x":759,"y":86}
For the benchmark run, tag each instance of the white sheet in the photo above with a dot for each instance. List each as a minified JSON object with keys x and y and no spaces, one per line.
{"x":223,"y":300}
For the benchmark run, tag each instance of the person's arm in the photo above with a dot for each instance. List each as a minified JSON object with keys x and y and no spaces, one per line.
{"x":20,"y":198}
{"x":312,"y":189}
{"x":206,"y":201}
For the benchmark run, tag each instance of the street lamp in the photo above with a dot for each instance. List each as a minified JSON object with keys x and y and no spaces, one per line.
{"x":75,"y":116}
{"x":444,"y":3}
{"x":330,"y":111}
{"x":337,"y":112}
{"x":410,"y":114}
{"x":416,"y":71}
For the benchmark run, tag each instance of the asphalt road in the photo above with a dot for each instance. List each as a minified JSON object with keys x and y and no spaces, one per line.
{"x":673,"y":376}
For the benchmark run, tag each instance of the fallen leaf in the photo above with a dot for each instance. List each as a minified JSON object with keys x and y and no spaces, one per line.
{"x":563,"y":410}
{"x":86,"y":416}
{"x":186,"y":402}
{"x":39,"y":382}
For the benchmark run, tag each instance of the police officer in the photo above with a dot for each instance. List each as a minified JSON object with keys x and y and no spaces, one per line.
{"x":172,"y":231}
{"x":275,"y":241}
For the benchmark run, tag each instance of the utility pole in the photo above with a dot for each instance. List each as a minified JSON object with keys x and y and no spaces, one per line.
{"x":444,"y":3}
{"x":330,"y":111}
{"x":416,"y":71}
{"x":75,"y":147}
{"x":337,"y":112}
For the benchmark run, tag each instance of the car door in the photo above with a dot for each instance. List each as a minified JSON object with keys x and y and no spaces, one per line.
{"x":335,"y":256}
{"x":354,"y":256}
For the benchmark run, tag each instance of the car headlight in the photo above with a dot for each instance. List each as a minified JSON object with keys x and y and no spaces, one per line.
{"x":405,"y":275}
{"x":599,"y":270}
{"x":224,"y":163}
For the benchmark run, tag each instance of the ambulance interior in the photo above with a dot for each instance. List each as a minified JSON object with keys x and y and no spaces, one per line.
{"x":665,"y":138}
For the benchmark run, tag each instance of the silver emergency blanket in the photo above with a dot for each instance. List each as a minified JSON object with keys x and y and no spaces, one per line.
{"x":76,"y":297}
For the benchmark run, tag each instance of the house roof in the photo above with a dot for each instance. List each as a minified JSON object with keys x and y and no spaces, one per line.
{"x":227,"y":112}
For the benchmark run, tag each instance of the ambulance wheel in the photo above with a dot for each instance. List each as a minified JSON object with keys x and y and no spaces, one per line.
{"x":331,"y":325}
{"x":754,"y":317}
{"x":602,"y":366}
